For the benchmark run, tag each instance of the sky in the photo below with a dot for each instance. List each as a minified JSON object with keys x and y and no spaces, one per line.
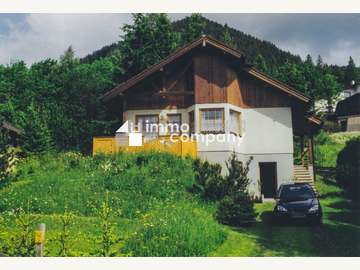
{"x":34,"y":37}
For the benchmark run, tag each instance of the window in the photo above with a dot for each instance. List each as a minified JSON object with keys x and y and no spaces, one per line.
{"x":212,"y":121}
{"x":149,"y":125}
{"x":191,"y":123}
{"x":235,"y":122}
{"x":174,"y":123}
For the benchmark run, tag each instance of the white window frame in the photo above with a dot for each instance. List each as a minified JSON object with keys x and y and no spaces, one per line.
{"x":153,"y":134}
{"x":176,"y":130}
{"x":211,"y":125}
{"x":235,"y":129}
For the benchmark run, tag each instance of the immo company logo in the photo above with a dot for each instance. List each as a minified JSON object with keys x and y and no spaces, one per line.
{"x":130,"y":134}
{"x":135,"y":138}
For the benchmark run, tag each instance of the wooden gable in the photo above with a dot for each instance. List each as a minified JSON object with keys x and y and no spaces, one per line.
{"x":217,"y":80}
{"x":170,"y":88}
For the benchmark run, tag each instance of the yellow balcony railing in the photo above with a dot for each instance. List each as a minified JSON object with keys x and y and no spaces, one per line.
{"x":161,"y":144}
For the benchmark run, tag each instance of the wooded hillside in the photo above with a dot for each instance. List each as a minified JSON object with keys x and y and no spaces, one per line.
{"x":55,"y":101}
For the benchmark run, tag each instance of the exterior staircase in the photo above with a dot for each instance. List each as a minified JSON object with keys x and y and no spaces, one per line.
{"x":302,"y":175}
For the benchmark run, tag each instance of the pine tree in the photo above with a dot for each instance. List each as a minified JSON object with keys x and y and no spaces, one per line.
{"x":237,"y":207}
{"x":147,"y":41}
{"x":260,"y":63}
{"x":319,"y":62}
{"x":227,"y":38}
{"x":310,"y":76}
{"x":36,"y":137}
{"x":68,"y":57}
{"x":194,"y":28}
{"x":350,"y":73}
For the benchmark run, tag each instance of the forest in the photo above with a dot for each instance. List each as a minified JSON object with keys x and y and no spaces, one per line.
{"x":55,"y":102}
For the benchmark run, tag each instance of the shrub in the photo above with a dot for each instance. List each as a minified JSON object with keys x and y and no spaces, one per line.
{"x":236,"y":209}
{"x":209,"y":182}
{"x":36,"y":137}
{"x":323,"y":138}
{"x":348,"y":168}
{"x":331,"y":126}
{"x":237,"y":179}
{"x":343,"y":137}
{"x":19,"y":242}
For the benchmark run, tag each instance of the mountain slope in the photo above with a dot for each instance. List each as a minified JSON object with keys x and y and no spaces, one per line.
{"x":248,"y":44}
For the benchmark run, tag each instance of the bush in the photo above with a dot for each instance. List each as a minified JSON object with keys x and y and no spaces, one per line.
{"x":348,"y":168}
{"x":331,"y":126}
{"x":343,"y":137}
{"x":323,"y":138}
{"x":237,"y":179}
{"x":209,"y":182}
{"x":236,"y":209}
{"x":36,"y":138}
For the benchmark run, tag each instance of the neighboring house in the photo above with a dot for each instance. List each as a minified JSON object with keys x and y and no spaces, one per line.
{"x":322,"y":104}
{"x":209,"y":86}
{"x":348,"y":113}
{"x":11,"y":130}
{"x":354,"y":89}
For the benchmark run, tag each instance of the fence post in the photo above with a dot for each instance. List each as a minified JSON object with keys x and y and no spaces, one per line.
{"x":40,"y":239}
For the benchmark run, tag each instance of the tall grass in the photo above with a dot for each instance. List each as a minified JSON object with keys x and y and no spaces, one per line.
{"x":176,"y":230}
{"x":328,"y":146}
{"x":138,"y":185}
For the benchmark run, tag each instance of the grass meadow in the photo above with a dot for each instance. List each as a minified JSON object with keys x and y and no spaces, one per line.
{"x":153,"y":213}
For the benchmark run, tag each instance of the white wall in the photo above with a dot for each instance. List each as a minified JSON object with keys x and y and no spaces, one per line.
{"x":266,"y":135}
{"x":264,"y":131}
{"x":284,"y":166}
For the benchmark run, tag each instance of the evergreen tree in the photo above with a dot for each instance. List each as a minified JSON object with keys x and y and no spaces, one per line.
{"x":227,"y":38}
{"x":351,"y":73}
{"x":68,"y":56}
{"x":36,"y":137}
{"x":237,"y":207}
{"x":260,"y":63}
{"x":331,"y":88}
{"x":147,"y":41}
{"x":309,"y":72}
{"x":319,"y":62}
{"x":194,"y":28}
{"x":293,"y":75}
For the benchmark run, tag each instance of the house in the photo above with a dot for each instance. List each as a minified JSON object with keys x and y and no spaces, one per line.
{"x":348,"y":113}
{"x":210,"y":87}
{"x":354,"y":89}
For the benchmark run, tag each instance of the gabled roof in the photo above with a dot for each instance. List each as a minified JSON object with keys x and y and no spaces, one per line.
{"x":276,"y":83}
{"x":203,"y":41}
{"x":349,"y":106}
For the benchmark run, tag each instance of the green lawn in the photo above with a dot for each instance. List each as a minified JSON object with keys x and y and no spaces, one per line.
{"x":156,"y":215}
{"x":338,"y":236}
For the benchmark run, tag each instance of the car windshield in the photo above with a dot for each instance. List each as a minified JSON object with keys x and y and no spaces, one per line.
{"x":298,"y":193}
